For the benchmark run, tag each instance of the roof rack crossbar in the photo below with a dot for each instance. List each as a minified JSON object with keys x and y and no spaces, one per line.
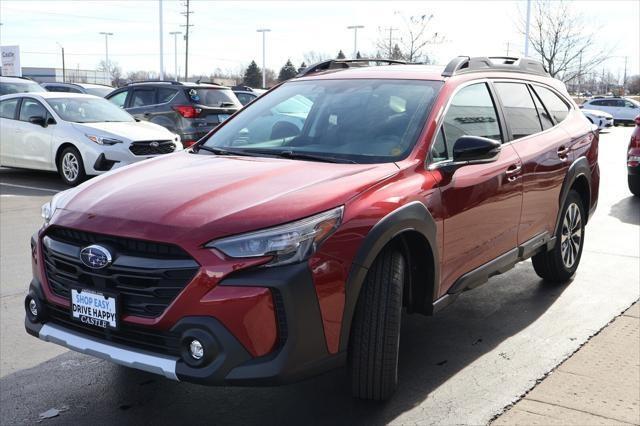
{"x":464,"y":64}
{"x":174,"y":82}
{"x":343,"y":64}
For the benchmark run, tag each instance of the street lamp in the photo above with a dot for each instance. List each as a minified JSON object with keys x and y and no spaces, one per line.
{"x":64,"y":70}
{"x":355,"y":38}
{"x":264,"y":69}
{"x":175,"y":49}
{"x":106,"y":50}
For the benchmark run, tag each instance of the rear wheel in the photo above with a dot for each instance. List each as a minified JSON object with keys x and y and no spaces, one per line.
{"x":559,"y":264}
{"x":634,"y":184}
{"x":71,"y":167}
{"x":375,"y":333}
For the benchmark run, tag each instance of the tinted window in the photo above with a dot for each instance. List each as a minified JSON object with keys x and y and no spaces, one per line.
{"x":598,"y":103}
{"x":213,"y":97}
{"x":142,"y":97}
{"x":119,"y":98}
{"x":245,"y":98}
{"x":472,"y":113}
{"x":360,"y":120}
{"x":8,"y":108}
{"x":545,"y":118}
{"x":555,"y":105}
{"x":520,"y":113}
{"x":165,"y":95}
{"x":52,"y":88}
{"x":31,"y":108}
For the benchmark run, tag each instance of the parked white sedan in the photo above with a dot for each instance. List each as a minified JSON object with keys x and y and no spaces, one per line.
{"x":623,"y":110}
{"x":77,"y":135}
{"x":600,"y":118}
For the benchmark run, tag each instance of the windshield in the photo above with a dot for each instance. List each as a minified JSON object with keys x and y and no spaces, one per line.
{"x":99,"y":91}
{"x":213,"y":97}
{"x":88,"y":110}
{"x":7,"y":88}
{"x":359,"y":120}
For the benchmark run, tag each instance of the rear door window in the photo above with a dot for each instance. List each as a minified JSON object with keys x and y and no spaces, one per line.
{"x":471,"y":113}
{"x":8,"y":108}
{"x":555,"y":105}
{"x":520,"y":112}
{"x":166,"y":95}
{"x":142,"y":97}
{"x":119,"y":98}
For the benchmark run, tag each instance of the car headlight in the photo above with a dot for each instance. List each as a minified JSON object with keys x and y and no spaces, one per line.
{"x":287,"y":244}
{"x":102,"y":140}
{"x":58,"y":201}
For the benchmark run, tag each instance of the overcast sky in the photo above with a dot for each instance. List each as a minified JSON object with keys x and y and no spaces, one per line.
{"x":224,"y":32}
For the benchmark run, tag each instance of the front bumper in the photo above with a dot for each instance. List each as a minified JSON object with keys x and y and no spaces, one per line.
{"x":301,"y":351}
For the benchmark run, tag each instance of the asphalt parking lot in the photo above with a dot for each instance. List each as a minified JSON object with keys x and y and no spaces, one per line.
{"x":460,"y":367}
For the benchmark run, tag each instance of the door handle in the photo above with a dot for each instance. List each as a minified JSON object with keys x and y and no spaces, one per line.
{"x":562,"y":152}
{"x":147,"y":114}
{"x":513,"y":171}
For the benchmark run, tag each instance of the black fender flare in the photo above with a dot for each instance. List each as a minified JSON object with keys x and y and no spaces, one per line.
{"x":413,"y":216}
{"x":580,"y":167}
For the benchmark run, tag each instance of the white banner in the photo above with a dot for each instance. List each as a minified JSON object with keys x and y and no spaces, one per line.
{"x":11,"y":61}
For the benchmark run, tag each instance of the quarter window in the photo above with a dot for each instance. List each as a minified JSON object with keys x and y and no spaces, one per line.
{"x":519,"y":110}
{"x":119,"y":98}
{"x":8,"y":108}
{"x":166,"y":95}
{"x":545,"y":118}
{"x":32,"y":108}
{"x":555,"y":105}
{"x":471,"y":113}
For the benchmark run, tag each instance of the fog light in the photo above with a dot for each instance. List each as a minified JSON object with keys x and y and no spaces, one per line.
{"x":33,"y":308}
{"x":196,"y":350}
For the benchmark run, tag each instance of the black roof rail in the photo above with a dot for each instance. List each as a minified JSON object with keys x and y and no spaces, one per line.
{"x":241,"y":87}
{"x":332,"y":64}
{"x":464,"y":64}
{"x":207,"y":82}
{"x":174,"y":82}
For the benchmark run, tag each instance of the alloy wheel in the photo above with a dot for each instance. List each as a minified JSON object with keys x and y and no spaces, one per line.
{"x":571,"y":238}
{"x":70,"y":166}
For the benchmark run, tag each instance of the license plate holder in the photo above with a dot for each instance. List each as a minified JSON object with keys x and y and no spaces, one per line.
{"x":94,"y":308}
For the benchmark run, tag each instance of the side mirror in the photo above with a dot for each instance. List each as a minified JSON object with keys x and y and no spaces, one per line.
{"x":475,"y":149}
{"x":38,"y":120}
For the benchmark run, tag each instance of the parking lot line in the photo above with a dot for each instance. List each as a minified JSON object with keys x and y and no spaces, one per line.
{"x":35,"y":188}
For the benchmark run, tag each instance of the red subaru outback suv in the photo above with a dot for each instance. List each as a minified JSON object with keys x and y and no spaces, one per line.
{"x":288,"y":241}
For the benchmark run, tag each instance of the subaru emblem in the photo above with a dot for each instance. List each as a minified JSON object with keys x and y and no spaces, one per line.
{"x":95,"y":257}
{"x":154,"y":144}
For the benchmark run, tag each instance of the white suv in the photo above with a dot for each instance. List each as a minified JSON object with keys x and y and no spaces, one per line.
{"x":75,"y":134}
{"x":623,"y":110}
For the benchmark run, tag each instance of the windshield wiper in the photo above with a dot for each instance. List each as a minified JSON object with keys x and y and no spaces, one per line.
{"x":312,"y":157}
{"x":220,"y":151}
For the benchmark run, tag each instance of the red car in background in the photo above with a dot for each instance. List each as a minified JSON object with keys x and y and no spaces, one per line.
{"x":633,"y":160}
{"x":288,"y":241}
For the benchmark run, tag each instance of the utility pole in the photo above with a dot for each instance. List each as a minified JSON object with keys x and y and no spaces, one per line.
{"x":507,"y":49}
{"x":161,"y":41}
{"x":64,"y":70}
{"x":175,"y":51}
{"x":391,"y":30}
{"x":624,"y":77}
{"x":106,"y":50}
{"x":355,"y":38}
{"x":264,"y":32}
{"x":526,"y":32}
{"x":187,"y":14}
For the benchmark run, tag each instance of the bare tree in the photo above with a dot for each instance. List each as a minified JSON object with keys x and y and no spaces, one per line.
{"x":415,"y":37}
{"x":113,"y":70}
{"x":562,"y":40}
{"x":312,"y":57}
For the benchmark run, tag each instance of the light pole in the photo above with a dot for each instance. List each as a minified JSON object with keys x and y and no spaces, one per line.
{"x":264,"y":69}
{"x":106,"y":50}
{"x":64,"y":70}
{"x":161,"y":40}
{"x":526,"y":30}
{"x":355,"y":37}
{"x":175,"y":50}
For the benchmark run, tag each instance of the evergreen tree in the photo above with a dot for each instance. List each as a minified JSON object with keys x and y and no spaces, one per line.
{"x":252,"y":75}
{"x":396,"y":54}
{"x":287,"y":71}
{"x":341,"y":55}
{"x":303,"y":65}
{"x":358,"y":56}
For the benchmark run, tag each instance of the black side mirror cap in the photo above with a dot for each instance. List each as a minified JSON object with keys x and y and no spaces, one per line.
{"x":475,"y":149}
{"x":38,"y":120}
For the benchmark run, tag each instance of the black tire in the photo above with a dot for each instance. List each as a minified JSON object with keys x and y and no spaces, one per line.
{"x":559,"y":264}
{"x":375,"y":333}
{"x":71,"y":154}
{"x":634,"y":184}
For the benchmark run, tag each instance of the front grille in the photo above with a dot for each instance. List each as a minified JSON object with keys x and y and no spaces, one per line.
{"x":133,"y":336}
{"x":152,"y":147}
{"x":146,"y":276}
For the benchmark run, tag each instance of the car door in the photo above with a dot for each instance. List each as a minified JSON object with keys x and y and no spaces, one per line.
{"x":533,"y":114}
{"x":33,"y":141}
{"x":629,"y":110}
{"x":8,"y":115}
{"x":602,"y":105}
{"x":481,"y":202}
{"x":141,"y":101}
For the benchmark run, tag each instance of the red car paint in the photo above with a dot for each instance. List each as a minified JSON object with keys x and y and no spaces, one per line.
{"x":634,"y":144}
{"x":189,"y":200}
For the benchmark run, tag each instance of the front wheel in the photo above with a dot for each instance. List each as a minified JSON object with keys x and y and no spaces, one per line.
{"x":634,"y":184}
{"x":71,"y":167}
{"x":559,"y":264}
{"x":375,"y":334}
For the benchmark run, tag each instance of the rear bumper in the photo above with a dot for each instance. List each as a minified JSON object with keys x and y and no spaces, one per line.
{"x":300,"y":353}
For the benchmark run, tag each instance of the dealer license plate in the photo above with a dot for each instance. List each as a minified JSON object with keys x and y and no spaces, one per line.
{"x":93,"y":308}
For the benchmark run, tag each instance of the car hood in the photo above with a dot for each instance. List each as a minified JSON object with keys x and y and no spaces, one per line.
{"x":596,"y":112}
{"x":131,"y":130}
{"x":209,"y":196}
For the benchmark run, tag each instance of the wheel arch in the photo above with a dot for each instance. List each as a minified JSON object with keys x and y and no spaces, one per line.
{"x":59,"y":151}
{"x":578,"y":178}
{"x":413,"y":230}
